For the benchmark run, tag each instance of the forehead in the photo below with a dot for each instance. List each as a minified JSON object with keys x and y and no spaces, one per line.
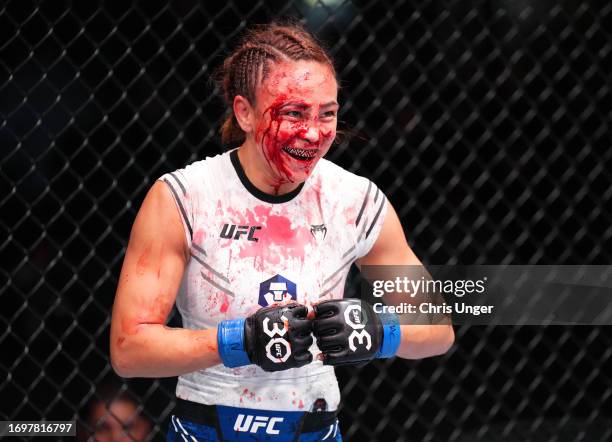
{"x":309,"y":81}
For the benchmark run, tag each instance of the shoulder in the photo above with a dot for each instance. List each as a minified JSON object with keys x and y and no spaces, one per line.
{"x":340,"y":183}
{"x":199,"y":173}
{"x":354,"y":201}
{"x":209,"y":165}
{"x":195,"y":185}
{"x":331,"y":174}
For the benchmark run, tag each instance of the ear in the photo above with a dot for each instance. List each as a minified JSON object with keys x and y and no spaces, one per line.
{"x":244,"y":113}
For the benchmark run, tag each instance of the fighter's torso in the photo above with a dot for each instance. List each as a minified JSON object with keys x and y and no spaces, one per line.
{"x":249,"y":250}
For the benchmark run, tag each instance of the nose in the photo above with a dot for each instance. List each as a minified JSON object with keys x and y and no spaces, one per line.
{"x":312,"y":133}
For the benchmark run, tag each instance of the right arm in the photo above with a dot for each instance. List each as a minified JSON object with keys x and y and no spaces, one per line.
{"x":141,"y":344}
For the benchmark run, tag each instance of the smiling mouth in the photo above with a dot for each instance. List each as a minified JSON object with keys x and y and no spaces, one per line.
{"x":300,"y":154}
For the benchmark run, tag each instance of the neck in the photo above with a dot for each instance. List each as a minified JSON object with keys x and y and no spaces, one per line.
{"x":259,"y":173}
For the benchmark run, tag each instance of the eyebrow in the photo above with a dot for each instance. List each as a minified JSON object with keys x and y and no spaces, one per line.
{"x":295,"y":104}
{"x":301,"y":105}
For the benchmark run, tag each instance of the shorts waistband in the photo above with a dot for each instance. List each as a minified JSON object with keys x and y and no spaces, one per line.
{"x":207,"y":415}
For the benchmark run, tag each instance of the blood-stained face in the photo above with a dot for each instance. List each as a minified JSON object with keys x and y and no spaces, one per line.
{"x":296,"y":118}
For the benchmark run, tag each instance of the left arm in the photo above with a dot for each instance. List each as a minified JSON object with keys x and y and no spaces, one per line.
{"x":391,"y":248}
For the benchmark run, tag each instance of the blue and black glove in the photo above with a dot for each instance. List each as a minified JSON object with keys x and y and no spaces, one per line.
{"x":275,"y":338}
{"x":349,"y":332}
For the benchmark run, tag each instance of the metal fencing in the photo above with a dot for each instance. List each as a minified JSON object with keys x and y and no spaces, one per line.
{"x":486,"y":123}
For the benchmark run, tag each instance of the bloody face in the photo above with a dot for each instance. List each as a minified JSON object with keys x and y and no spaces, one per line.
{"x":296,"y":118}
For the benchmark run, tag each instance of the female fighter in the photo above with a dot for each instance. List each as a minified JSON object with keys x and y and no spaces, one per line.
{"x":254,"y":246}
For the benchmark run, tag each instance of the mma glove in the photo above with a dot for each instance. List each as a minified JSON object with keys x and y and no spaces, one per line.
{"x":274,"y":338}
{"x":350,"y":332}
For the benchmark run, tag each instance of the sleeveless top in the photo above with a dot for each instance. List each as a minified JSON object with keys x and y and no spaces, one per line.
{"x":250,"y":249}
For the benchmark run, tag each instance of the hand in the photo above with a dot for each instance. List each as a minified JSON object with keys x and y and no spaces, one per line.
{"x":275,"y":338}
{"x":348,"y":331}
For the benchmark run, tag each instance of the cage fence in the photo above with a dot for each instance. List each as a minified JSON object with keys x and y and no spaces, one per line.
{"x":486,"y":123}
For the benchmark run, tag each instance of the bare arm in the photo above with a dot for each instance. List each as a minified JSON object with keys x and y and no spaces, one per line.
{"x":391,"y":248}
{"x":141,"y":344}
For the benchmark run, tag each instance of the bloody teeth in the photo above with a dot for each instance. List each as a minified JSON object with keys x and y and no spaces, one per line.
{"x":301,"y":153}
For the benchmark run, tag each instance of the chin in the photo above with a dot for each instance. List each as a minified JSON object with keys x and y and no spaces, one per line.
{"x":301,"y":171}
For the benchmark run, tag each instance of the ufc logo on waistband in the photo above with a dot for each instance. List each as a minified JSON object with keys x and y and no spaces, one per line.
{"x":252,"y":424}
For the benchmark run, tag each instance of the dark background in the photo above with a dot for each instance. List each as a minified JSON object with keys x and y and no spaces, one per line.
{"x":486,"y":123}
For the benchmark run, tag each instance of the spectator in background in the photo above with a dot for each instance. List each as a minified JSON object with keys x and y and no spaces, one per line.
{"x":113,"y":415}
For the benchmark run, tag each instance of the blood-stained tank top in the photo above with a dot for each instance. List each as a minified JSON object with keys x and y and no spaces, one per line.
{"x":250,"y":249}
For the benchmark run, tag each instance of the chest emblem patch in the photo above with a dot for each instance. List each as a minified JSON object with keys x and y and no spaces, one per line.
{"x":276,"y":289}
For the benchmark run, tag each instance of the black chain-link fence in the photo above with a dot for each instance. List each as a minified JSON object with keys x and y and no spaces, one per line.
{"x":487,"y":123}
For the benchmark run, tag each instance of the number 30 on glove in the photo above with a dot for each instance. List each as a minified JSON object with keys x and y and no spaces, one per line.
{"x":348,"y":331}
{"x":275,"y":338}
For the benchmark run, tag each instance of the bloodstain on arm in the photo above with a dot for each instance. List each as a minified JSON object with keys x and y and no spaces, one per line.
{"x":143,"y":261}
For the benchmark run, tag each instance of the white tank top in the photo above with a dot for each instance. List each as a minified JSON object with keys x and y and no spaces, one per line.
{"x":249,"y":249}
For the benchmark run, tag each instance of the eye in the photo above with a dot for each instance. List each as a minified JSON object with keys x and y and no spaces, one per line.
{"x":293,"y":113}
{"x":329,"y":114}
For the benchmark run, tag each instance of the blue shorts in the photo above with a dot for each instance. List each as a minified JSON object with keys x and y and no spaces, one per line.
{"x":196,"y":422}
